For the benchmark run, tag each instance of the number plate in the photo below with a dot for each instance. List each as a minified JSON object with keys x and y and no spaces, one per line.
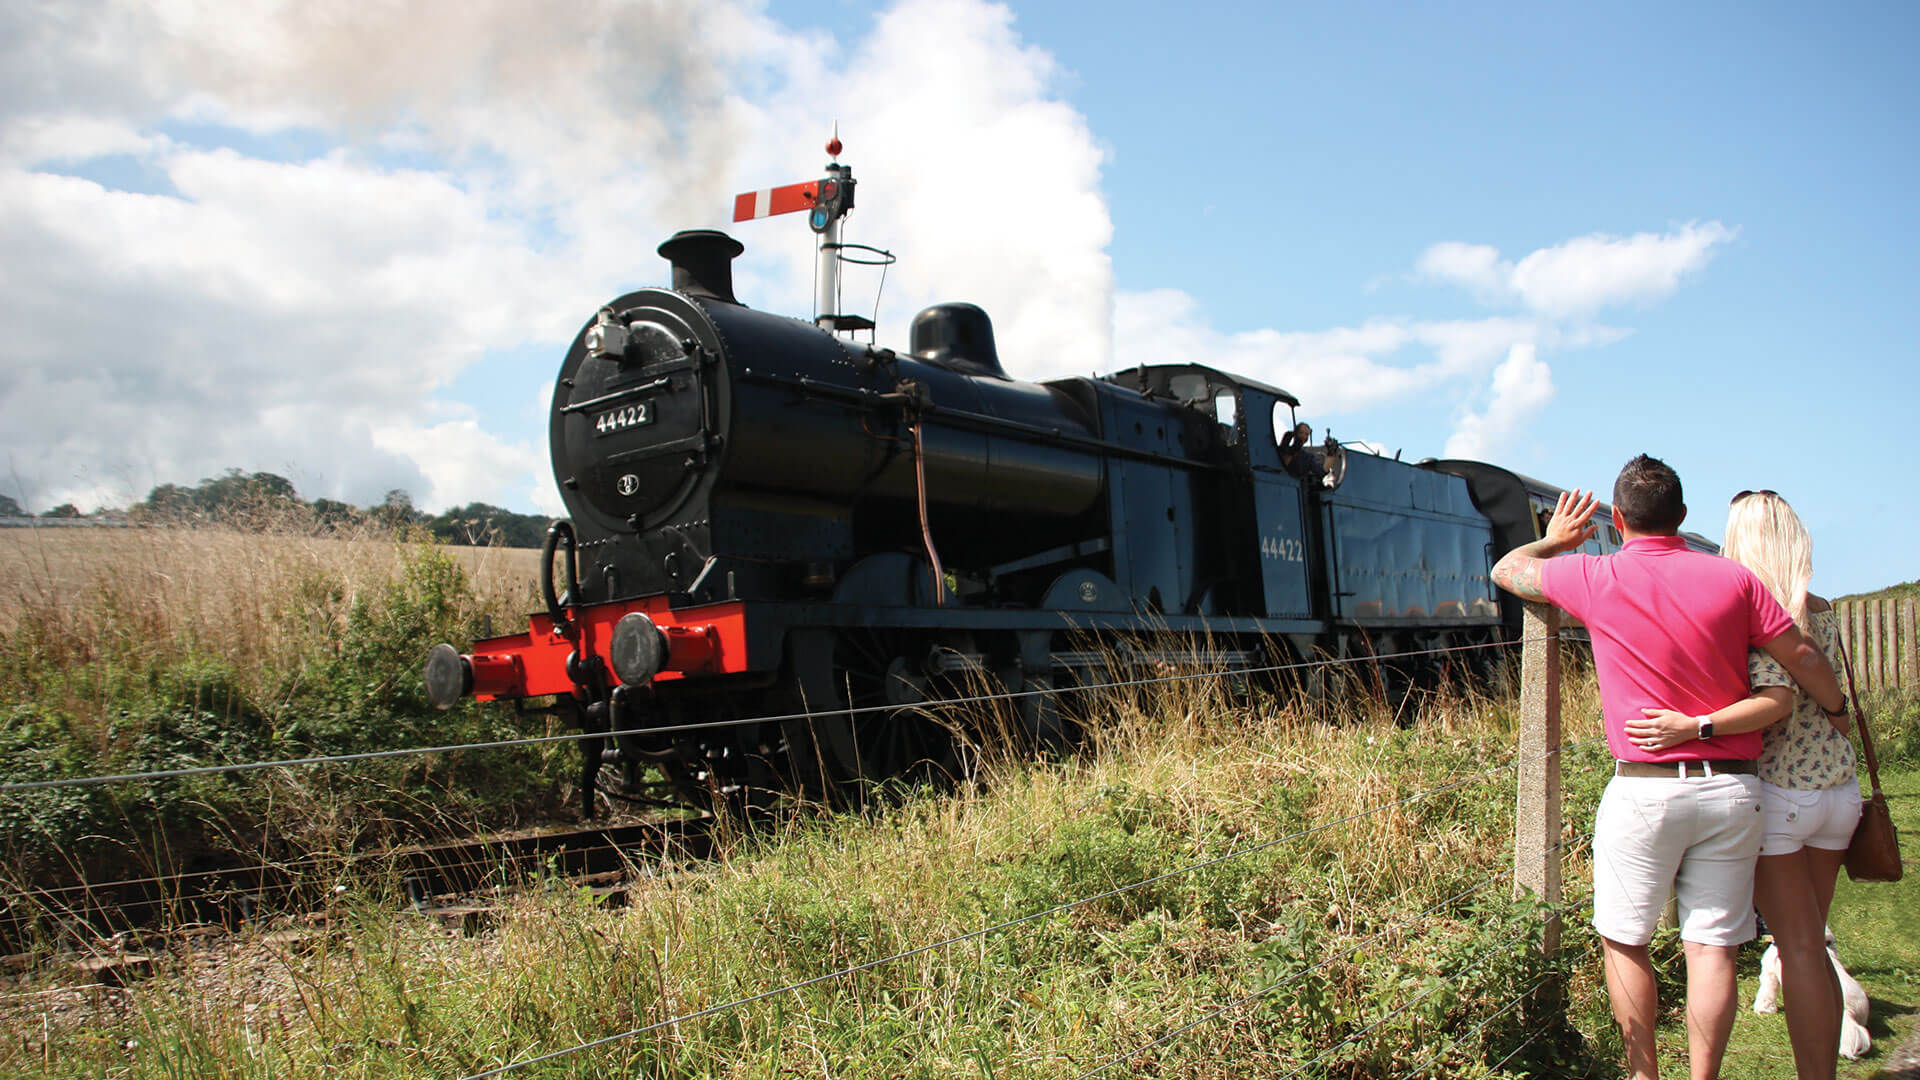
{"x":622,"y":418}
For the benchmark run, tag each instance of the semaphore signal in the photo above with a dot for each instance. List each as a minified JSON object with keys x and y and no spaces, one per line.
{"x":827,"y":199}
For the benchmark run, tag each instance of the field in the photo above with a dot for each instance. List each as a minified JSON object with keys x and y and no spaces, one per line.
{"x":132,"y":650}
{"x":1220,"y":886}
{"x":227,"y":585}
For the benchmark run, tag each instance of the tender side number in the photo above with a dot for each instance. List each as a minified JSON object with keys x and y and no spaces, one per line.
{"x":624,"y":417}
{"x":1279,"y":547}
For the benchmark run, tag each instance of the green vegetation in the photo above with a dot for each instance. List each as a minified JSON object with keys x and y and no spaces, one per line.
{"x":1907,"y":591}
{"x":129,"y":651}
{"x":1356,"y":935}
{"x":1347,"y":910}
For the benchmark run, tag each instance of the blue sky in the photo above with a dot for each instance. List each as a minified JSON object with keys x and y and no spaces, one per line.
{"x":349,"y":249}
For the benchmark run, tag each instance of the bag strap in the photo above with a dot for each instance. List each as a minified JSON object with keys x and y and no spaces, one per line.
{"x":1860,"y":719}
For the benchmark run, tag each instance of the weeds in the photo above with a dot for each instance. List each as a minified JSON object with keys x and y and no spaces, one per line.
{"x":1315,"y":919}
{"x":133,"y":651}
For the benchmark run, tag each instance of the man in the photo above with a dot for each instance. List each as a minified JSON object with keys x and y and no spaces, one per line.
{"x":1671,"y":628}
{"x":1297,"y":456}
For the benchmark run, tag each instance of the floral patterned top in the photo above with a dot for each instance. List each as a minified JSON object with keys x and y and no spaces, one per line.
{"x":1803,"y":751}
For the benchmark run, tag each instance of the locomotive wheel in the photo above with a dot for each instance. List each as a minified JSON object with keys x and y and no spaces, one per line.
{"x":881,"y":678}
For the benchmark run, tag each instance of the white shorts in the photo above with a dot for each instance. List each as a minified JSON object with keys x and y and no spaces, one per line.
{"x":1823,"y":818}
{"x":1695,"y":838}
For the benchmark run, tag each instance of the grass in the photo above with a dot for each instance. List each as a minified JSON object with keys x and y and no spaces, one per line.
{"x":1399,"y":919}
{"x":1355,"y":934}
{"x":136,"y":650}
{"x":1907,"y":591}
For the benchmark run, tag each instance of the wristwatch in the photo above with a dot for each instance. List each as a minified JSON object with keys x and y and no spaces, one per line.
{"x":1841,"y":711}
{"x":1706,"y":727}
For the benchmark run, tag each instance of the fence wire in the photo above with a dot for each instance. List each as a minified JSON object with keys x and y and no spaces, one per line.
{"x":1217,"y":1013}
{"x":1511,"y":1004}
{"x":1163,"y":679}
{"x":710,"y":725}
{"x":1033,"y":916}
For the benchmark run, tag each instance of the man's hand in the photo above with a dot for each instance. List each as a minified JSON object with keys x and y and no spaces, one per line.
{"x":1518,"y":571}
{"x":1571,"y":525}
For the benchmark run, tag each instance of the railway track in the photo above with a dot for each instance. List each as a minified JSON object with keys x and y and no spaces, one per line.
{"x":423,"y":875}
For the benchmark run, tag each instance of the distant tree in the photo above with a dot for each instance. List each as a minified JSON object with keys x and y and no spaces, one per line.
{"x":64,"y":510}
{"x":166,"y":503}
{"x":483,"y":524}
{"x":396,"y":511}
{"x":334,"y":514}
{"x":233,"y":497}
{"x":10,"y":508}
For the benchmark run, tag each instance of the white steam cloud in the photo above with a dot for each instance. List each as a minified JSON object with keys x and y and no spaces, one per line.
{"x":301,"y":237}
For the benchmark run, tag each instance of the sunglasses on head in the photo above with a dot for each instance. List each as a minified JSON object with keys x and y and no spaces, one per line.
{"x":1744,"y":494}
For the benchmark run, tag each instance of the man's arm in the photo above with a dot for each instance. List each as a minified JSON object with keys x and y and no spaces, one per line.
{"x":1662,"y":728}
{"x":1802,"y":658}
{"x":1518,"y":571}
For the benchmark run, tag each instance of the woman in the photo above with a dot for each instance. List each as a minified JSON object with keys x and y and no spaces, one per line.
{"x":1809,"y":792}
{"x":1808,"y":788}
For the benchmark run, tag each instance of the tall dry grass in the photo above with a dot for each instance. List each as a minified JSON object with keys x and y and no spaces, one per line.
{"x":1351,"y":911}
{"x":151,"y":649}
{"x":259,"y":598}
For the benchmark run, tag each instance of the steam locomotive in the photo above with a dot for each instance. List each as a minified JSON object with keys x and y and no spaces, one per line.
{"x":783,"y":543}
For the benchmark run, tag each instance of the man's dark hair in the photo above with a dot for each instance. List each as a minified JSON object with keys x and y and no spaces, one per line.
{"x":1648,"y":496}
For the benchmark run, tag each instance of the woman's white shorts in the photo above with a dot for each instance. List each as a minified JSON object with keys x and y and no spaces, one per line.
{"x":1823,"y":818}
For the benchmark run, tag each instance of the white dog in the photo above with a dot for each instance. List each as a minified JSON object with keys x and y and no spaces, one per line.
{"x":1854,"y":1040}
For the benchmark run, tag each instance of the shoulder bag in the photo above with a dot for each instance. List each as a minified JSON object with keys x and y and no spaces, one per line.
{"x":1874,"y":853}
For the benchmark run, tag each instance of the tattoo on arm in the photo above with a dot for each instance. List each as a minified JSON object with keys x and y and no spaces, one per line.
{"x":1519,"y":574}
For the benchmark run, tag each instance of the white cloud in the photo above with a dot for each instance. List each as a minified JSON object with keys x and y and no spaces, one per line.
{"x":1584,"y":274}
{"x":481,"y":175}
{"x":1334,"y":370}
{"x":1522,"y":386}
{"x":458,"y":458}
{"x":552,"y":149}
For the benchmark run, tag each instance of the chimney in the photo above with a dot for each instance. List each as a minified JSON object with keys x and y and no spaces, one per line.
{"x":703,"y":262}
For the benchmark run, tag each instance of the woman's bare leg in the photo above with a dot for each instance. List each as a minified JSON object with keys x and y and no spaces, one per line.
{"x":1788,"y":897}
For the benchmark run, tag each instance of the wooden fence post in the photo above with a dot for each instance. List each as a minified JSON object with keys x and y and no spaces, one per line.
{"x":1536,"y":849}
{"x":1876,"y":609}
{"x":1857,"y":641}
{"x":1910,"y":633}
{"x":1841,"y":612}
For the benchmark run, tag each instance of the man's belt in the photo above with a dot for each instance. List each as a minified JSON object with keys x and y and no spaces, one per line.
{"x":1683,"y":770}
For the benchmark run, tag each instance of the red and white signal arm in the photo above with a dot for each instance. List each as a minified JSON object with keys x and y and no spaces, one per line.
{"x":770,"y":201}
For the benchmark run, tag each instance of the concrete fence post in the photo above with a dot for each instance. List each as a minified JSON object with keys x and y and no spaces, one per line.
{"x":1536,"y":850}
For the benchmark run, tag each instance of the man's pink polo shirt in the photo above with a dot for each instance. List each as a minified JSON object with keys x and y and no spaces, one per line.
{"x":1671,"y":627}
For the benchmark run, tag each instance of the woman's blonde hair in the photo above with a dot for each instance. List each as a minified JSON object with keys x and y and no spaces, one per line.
{"x":1766,"y":536}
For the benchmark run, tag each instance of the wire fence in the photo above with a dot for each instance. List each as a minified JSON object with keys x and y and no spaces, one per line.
{"x":1553,"y":754}
{"x":1070,"y":905}
{"x":730,"y":722}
